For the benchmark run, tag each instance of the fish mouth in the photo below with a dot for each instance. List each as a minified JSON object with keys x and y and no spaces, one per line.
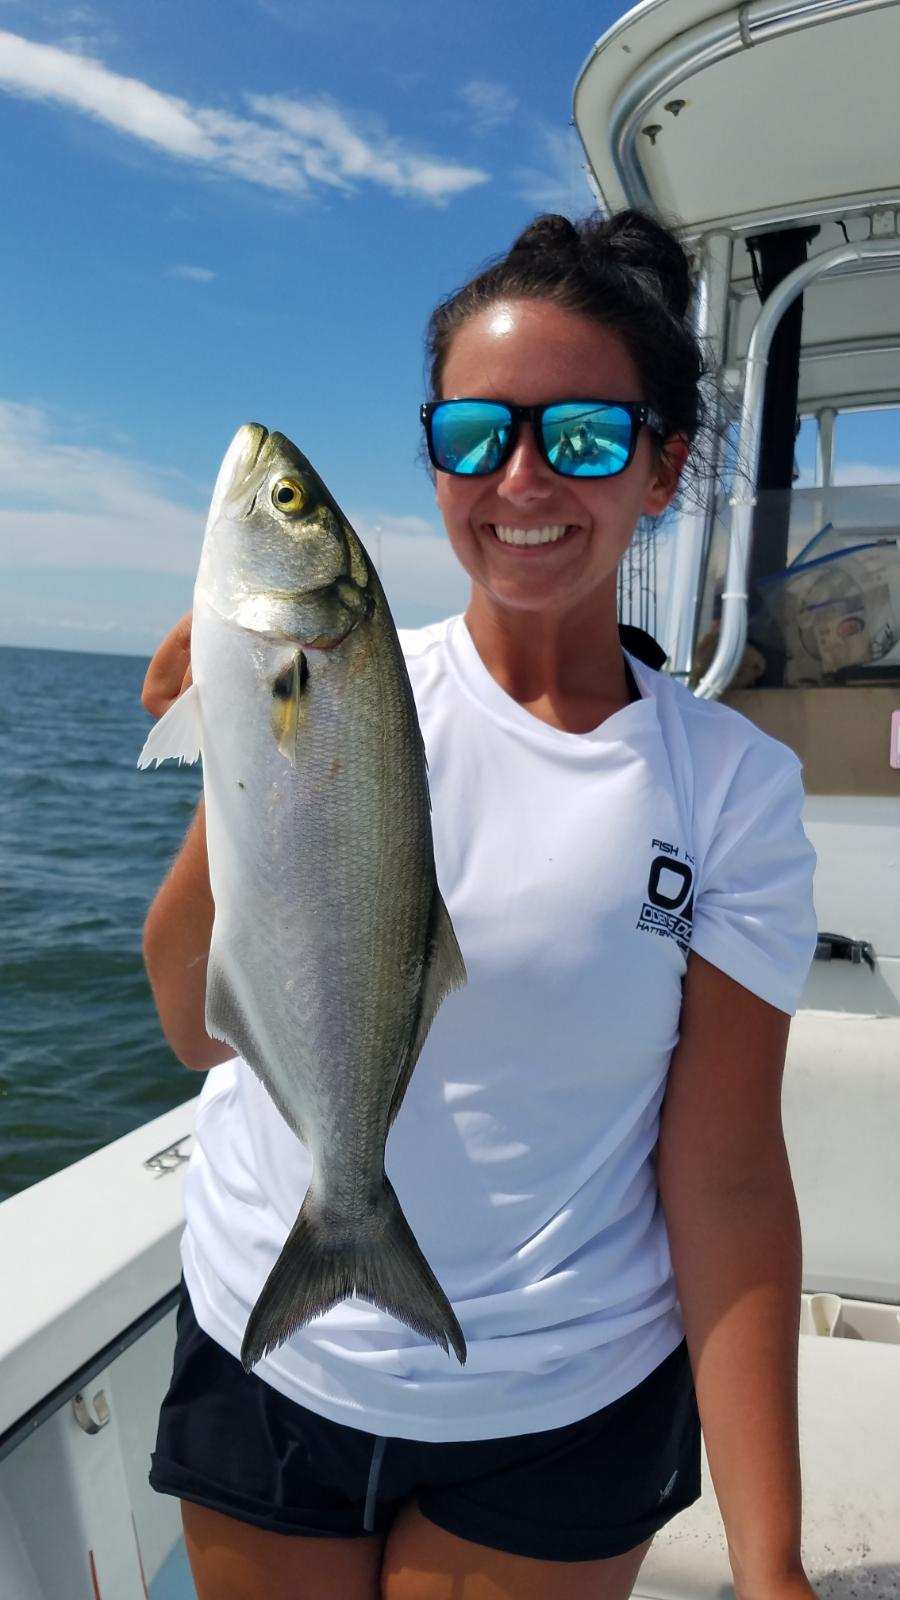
{"x":239,"y":460}
{"x":263,"y":434}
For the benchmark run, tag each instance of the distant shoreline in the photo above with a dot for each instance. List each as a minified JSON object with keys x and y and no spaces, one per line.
{"x":63,"y":650}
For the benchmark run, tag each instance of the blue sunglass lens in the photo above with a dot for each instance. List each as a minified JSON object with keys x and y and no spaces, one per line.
{"x":587,"y":441}
{"x":470,"y":436}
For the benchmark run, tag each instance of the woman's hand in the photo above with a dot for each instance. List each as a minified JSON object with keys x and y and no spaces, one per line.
{"x":169,"y":673}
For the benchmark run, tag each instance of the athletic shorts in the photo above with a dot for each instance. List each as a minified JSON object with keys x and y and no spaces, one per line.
{"x":589,"y":1490}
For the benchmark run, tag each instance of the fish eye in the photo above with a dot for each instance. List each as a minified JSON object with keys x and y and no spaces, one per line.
{"x":289,"y":496}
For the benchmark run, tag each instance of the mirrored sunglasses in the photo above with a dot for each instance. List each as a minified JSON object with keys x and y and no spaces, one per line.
{"x":577,"y":438}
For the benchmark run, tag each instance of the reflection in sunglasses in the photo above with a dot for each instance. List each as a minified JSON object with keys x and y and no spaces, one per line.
{"x":582,"y":442}
{"x":484,"y":456}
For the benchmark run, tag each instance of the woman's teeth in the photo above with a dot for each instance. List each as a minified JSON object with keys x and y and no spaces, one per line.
{"x":546,"y":535}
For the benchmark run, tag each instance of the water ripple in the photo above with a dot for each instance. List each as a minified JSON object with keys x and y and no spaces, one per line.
{"x":85,"y":840}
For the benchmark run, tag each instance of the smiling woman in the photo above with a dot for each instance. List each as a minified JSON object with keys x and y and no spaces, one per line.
{"x":626,"y":873}
{"x":585,"y":329}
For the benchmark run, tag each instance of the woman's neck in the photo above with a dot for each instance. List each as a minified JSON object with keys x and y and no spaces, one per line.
{"x":568,"y":671}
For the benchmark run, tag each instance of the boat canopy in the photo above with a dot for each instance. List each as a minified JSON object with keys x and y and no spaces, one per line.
{"x":775,"y":117}
{"x":746,"y":117}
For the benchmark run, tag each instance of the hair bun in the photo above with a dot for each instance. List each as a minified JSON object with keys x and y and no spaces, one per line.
{"x":637,"y":242}
{"x":548,"y":235}
{"x":630,"y":243}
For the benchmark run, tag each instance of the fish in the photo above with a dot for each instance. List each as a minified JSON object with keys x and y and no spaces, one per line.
{"x":332,"y":947}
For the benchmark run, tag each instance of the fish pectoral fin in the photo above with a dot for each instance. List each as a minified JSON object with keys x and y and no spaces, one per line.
{"x":287,"y":698}
{"x":444,"y":970}
{"x":177,"y":735}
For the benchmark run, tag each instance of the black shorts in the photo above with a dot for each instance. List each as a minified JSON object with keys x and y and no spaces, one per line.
{"x":589,"y":1490}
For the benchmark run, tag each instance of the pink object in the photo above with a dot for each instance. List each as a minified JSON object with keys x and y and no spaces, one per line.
{"x":895,"y":739}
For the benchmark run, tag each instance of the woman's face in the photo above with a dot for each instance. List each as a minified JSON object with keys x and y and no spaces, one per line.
{"x":528,"y":352}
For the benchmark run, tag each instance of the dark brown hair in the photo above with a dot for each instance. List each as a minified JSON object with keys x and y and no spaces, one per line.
{"x":627,"y":272}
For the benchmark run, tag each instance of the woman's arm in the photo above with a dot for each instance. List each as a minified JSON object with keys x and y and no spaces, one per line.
{"x":734,"y":1233}
{"x":179,"y":923}
{"x":177,"y":934}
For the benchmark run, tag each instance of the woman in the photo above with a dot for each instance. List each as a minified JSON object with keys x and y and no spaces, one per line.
{"x":631,"y":888}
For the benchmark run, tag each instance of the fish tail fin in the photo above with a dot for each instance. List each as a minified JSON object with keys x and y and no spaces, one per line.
{"x":321,"y":1265}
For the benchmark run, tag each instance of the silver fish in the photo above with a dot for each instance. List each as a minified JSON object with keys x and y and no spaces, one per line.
{"x":332,"y":948}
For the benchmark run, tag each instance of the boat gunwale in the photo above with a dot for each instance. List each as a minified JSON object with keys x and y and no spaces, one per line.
{"x":44,"y":1409}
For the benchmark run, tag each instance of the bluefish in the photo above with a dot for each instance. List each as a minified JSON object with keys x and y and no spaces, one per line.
{"x":332,"y":948}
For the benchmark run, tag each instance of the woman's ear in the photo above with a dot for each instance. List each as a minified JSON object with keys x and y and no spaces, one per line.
{"x":668,"y":466}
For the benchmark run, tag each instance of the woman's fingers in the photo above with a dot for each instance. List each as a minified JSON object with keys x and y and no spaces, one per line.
{"x":169,"y":673}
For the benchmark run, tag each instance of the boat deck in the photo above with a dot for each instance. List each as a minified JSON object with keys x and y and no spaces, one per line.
{"x":173,"y":1580}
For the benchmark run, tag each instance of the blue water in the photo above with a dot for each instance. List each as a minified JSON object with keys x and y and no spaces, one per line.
{"x":85,"y":840}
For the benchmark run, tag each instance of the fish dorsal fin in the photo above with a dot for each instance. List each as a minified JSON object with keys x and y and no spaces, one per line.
{"x":444,"y":970}
{"x":176,"y":736}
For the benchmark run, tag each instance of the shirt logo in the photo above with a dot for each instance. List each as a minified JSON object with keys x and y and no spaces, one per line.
{"x":668,"y":908}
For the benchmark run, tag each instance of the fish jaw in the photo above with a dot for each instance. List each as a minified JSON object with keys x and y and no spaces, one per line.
{"x":238,"y":461}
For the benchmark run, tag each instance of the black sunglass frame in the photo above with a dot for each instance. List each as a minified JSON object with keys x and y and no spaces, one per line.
{"x":639,"y":415}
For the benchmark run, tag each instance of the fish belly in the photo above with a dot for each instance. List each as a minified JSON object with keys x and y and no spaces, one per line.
{"x":322,"y":873}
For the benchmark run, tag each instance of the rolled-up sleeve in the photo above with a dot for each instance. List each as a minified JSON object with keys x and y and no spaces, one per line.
{"x":754,"y":915}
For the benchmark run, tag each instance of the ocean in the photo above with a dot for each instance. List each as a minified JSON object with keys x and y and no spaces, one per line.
{"x":85,"y":840}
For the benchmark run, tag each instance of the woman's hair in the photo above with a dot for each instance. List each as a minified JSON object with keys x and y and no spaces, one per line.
{"x":627,"y":272}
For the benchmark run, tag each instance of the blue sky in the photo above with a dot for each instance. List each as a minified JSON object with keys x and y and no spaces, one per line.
{"x":214,"y":213}
{"x":246,"y":210}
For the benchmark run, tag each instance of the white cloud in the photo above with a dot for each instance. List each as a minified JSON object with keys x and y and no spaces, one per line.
{"x":335,"y":150}
{"x":866,"y":472}
{"x":848,"y":473}
{"x":416,"y":564}
{"x":560,"y":182}
{"x":291,"y":146}
{"x":76,"y":506}
{"x":191,"y":274}
{"x":491,"y":104}
{"x":95,"y":546}
{"x":44,"y":72}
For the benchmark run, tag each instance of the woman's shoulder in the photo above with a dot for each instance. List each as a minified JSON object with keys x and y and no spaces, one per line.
{"x":720,"y":739}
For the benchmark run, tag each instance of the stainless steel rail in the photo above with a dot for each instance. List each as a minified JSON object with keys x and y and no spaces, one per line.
{"x":733,"y":626}
{"x":693,"y":530}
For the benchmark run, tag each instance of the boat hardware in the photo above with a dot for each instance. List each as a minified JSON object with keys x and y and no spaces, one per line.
{"x":91,"y":1420}
{"x":169,"y":1159}
{"x":839,"y":947}
{"x":826,"y":1315}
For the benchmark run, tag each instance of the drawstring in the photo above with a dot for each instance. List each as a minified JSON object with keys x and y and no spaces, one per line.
{"x":378,"y":1450}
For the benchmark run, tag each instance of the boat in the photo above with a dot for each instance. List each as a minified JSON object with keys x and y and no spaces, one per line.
{"x":771,"y":132}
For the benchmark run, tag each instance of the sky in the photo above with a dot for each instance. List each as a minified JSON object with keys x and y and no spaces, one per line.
{"x":217,"y":213}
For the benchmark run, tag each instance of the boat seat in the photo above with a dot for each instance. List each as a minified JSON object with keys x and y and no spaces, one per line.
{"x":850,"y":1456}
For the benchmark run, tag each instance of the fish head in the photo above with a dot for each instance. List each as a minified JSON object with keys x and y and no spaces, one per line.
{"x":273,"y":530}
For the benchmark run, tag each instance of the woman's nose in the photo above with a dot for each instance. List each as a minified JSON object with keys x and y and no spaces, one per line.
{"x":526,"y":476}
